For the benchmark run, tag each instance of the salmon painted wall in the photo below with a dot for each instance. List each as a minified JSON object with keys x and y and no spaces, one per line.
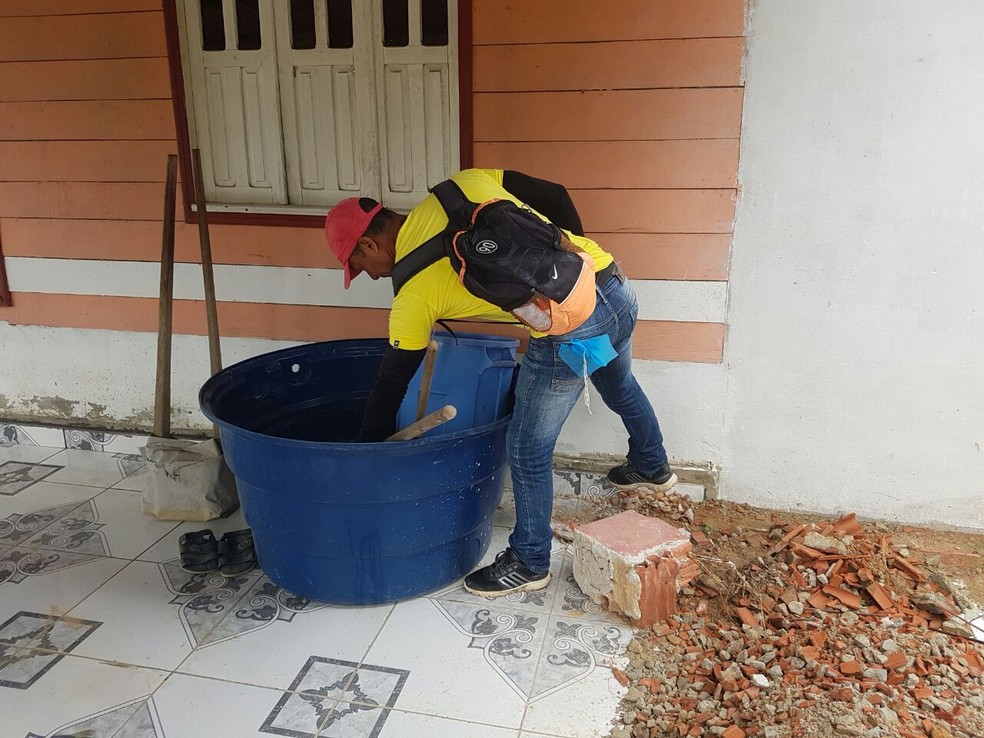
{"x":637,"y":112}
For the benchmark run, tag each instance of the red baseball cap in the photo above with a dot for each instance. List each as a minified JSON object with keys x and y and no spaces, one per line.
{"x":344,"y":225}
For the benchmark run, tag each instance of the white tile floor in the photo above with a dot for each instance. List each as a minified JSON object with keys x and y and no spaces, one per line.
{"x":103,"y":634}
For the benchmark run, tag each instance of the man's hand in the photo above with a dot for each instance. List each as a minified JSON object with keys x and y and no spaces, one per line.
{"x":395,"y":373}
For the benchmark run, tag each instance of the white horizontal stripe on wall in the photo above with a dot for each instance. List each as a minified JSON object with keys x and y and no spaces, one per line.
{"x":233,"y":283}
{"x":658,"y":299}
{"x":664,"y":299}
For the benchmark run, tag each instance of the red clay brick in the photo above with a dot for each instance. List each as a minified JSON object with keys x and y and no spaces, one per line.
{"x":880,"y":596}
{"x":895,"y":660}
{"x":657,"y":599}
{"x":848,"y":598}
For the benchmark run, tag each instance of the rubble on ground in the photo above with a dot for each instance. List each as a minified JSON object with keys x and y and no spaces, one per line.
{"x":809,"y":629}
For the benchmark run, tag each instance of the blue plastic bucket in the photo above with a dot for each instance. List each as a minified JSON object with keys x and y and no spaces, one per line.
{"x":473,"y":372}
{"x":350,"y":523}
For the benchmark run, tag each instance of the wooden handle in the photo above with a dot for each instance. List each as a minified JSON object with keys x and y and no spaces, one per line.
{"x":5,"y":300}
{"x":214,"y":348}
{"x":425,"y":424}
{"x":425,"y":381}
{"x":208,"y":274}
{"x":162,"y":393}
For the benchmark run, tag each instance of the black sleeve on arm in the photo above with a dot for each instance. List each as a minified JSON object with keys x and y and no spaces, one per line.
{"x":395,"y":373}
{"x":549,"y":198}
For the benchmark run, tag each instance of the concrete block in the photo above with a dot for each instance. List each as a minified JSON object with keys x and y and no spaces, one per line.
{"x":633,"y":564}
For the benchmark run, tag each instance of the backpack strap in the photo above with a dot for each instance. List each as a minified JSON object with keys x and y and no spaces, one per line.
{"x":429,"y":252}
{"x":459,"y":210}
{"x":458,"y":207}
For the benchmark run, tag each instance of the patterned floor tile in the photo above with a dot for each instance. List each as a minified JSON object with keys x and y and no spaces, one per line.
{"x":93,"y":468}
{"x":573,"y":692}
{"x":439,"y":644}
{"x":31,"y":643}
{"x":403,"y":724}
{"x":595,"y":486}
{"x":29,"y":513}
{"x":583,"y":709}
{"x":136,"y":719}
{"x":566,"y":483}
{"x":27,"y":454}
{"x":128,"y":531}
{"x":248,"y":629}
{"x":320,"y":686}
{"x":192,"y":707}
{"x":510,"y":639}
{"x":16,"y":476}
{"x":132,"y":605}
{"x":136,"y":481}
{"x":50,"y":582}
{"x":574,"y":649}
{"x":80,"y":520}
{"x":83,"y":697}
{"x":25,"y":435}
{"x":114,"y":443}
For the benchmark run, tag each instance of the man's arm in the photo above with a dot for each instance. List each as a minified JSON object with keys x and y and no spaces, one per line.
{"x":395,"y":373}
{"x":549,"y":198}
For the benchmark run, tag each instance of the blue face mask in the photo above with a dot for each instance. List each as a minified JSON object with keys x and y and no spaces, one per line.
{"x":586,"y":355}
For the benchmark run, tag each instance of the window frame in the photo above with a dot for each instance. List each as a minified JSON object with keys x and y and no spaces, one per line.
{"x":181,"y":124}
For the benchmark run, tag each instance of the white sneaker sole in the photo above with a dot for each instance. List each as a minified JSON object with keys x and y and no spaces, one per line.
{"x":528,"y":587}
{"x":656,"y":488}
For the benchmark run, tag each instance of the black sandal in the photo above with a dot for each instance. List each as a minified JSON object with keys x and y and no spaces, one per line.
{"x":236,"y":553}
{"x":199,"y":551}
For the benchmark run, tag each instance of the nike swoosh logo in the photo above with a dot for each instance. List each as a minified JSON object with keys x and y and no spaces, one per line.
{"x":554,"y":275}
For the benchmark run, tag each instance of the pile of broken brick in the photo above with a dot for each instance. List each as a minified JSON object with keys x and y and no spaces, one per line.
{"x":824,"y":630}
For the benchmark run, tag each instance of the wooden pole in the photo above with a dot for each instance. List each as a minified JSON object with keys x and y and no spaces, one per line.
{"x":425,"y":380}
{"x":208,"y":274}
{"x":162,"y":394}
{"x":5,"y":300}
{"x":428,"y":422}
{"x":211,"y":313}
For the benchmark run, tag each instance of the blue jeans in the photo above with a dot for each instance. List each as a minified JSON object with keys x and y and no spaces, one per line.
{"x":546,"y":391}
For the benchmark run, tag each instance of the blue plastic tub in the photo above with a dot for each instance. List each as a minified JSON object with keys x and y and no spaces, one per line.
{"x":350,"y":523}
{"x":473,"y":372}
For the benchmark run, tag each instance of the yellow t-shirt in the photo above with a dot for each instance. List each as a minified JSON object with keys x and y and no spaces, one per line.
{"x":435,"y":293}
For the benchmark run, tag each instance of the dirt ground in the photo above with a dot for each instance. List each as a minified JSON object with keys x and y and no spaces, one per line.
{"x":777,"y":639}
{"x":957,"y":557}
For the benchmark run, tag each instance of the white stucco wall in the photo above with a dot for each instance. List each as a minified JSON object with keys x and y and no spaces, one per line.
{"x":855,"y":353}
{"x":688,"y":398}
{"x":105,"y":379}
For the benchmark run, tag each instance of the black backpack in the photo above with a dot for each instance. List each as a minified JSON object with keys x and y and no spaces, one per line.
{"x":507,"y":255}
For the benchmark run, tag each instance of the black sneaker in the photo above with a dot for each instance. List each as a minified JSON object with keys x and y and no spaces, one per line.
{"x":628,"y":477}
{"x":505,"y":575}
